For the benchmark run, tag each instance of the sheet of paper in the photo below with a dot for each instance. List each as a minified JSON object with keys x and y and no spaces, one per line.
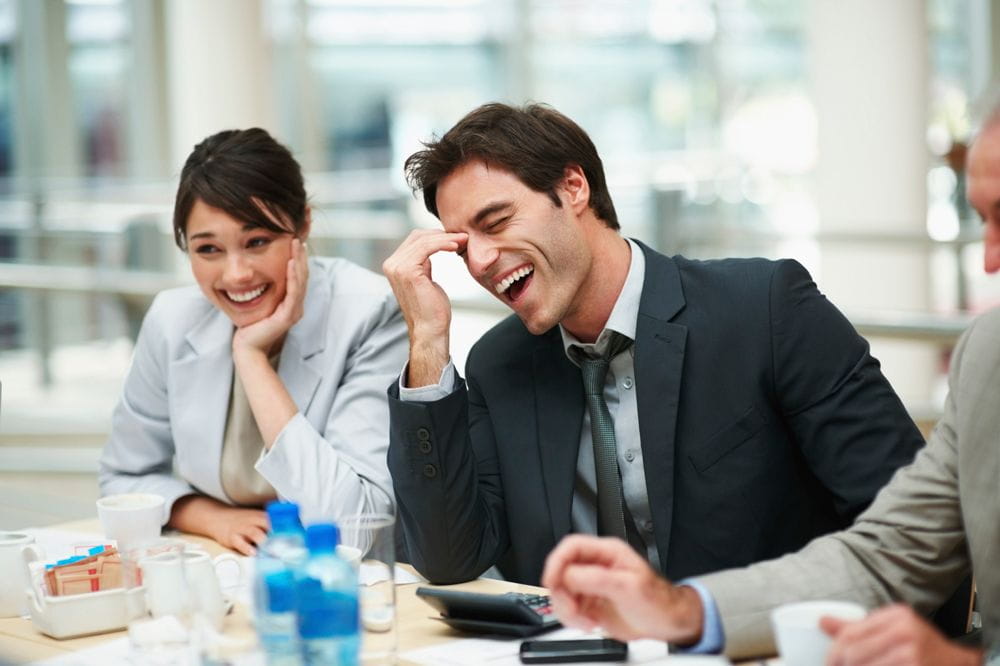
{"x":404,"y":577}
{"x":504,"y":652}
{"x":373,"y":573}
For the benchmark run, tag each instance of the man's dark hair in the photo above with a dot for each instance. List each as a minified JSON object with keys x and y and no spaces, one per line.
{"x":248,"y":175}
{"x":536,"y":143}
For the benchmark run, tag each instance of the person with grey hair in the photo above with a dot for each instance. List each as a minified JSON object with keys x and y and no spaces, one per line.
{"x":936,"y":521}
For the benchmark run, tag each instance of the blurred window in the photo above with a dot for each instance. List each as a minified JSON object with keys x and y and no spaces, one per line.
{"x":699,"y":108}
{"x":7,"y":34}
{"x":97,"y":34}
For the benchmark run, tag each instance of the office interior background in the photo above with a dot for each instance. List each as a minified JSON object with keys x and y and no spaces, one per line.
{"x":830,"y":131}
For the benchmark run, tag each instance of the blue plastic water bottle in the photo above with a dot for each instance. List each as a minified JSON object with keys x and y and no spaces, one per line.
{"x":277,"y":560}
{"x":327,"y":602}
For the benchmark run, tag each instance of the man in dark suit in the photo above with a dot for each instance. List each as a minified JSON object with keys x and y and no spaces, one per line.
{"x":934,"y":523}
{"x":711,"y":413}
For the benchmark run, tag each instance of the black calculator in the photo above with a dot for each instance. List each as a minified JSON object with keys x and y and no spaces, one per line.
{"x":510,"y":614}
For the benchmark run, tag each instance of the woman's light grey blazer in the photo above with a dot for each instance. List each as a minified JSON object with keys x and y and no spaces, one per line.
{"x":167,"y":430}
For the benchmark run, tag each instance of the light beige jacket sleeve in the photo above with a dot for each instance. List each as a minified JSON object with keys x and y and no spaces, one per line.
{"x":934,"y":520}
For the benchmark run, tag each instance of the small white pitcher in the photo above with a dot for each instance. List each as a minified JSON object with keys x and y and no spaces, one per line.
{"x":167,"y":590}
{"x":16,"y":550}
{"x":203,"y":579}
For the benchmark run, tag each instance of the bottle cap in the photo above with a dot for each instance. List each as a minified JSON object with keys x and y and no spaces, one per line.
{"x":322,"y":538}
{"x":284,"y":517}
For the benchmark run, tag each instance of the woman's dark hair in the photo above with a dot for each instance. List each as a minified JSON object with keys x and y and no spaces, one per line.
{"x":536,"y":143}
{"x":247,"y":174}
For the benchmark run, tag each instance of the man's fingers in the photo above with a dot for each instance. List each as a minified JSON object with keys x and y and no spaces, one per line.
{"x":419,"y":253}
{"x":867,"y":649}
{"x":564,"y":605}
{"x":832,"y":625}
{"x":867,"y":641}
{"x":420,"y":245}
{"x":573,"y":611}
{"x":579,"y":549}
{"x":599,"y":581}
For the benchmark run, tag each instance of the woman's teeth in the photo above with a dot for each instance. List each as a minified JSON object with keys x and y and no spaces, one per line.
{"x":504,"y":284}
{"x":243,"y":297}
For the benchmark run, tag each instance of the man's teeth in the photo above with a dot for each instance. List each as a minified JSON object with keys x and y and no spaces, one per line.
{"x":246,"y":295}
{"x":504,"y":284}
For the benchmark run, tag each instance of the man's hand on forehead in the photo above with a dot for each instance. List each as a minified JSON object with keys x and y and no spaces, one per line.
{"x":462,"y":239}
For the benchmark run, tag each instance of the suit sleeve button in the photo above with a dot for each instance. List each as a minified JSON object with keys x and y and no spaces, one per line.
{"x":423,"y":434}
{"x":424,"y":446}
{"x":430,"y":471}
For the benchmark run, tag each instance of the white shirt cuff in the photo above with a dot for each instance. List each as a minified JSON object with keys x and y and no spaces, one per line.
{"x":431,"y":392}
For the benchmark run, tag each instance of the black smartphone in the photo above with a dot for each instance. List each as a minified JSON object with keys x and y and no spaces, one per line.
{"x":559,"y":652}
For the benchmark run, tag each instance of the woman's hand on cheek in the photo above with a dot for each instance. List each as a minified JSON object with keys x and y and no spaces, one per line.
{"x":262,"y":335}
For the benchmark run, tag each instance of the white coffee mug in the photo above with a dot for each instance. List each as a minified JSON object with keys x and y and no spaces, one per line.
{"x":801,"y":642}
{"x":131,"y":519}
{"x":16,"y":550}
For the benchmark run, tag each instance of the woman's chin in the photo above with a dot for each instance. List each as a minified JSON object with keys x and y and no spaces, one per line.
{"x":244,"y":318}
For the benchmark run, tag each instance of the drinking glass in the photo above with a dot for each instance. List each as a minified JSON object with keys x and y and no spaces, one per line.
{"x":373,"y":537}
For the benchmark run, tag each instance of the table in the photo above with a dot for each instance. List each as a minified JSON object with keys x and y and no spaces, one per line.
{"x":21,"y":642}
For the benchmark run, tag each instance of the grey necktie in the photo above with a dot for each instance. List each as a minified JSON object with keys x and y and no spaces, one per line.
{"x":610,"y":511}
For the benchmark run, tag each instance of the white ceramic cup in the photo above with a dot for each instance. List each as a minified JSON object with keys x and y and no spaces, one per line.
{"x":131,"y":519}
{"x":796,"y":627}
{"x":16,"y":550}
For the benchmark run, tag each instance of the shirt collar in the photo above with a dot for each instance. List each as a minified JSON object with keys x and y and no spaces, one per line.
{"x":624,"y":314}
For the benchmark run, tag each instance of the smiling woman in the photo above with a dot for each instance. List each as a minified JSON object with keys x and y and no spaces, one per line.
{"x":268,"y":380}
{"x":239,"y":266}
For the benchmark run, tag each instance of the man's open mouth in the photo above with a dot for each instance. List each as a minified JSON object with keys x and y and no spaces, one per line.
{"x":512,"y":287}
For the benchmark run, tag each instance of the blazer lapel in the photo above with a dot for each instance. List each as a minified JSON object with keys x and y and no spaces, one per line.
{"x":301,"y":364}
{"x":659,"y":364}
{"x":559,"y":404}
{"x":200,"y":385}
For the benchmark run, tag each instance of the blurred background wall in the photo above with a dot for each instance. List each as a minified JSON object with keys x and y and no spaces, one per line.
{"x":830,"y":131}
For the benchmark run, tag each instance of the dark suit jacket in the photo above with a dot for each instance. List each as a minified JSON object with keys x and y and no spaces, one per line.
{"x":764,"y":422}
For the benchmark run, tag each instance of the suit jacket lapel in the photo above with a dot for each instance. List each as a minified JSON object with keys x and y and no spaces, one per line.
{"x":559,"y":404}
{"x":301,"y":364}
{"x":659,"y":363}
{"x":200,"y":385}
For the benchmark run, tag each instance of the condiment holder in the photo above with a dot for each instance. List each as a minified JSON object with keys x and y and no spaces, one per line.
{"x":85,"y":613}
